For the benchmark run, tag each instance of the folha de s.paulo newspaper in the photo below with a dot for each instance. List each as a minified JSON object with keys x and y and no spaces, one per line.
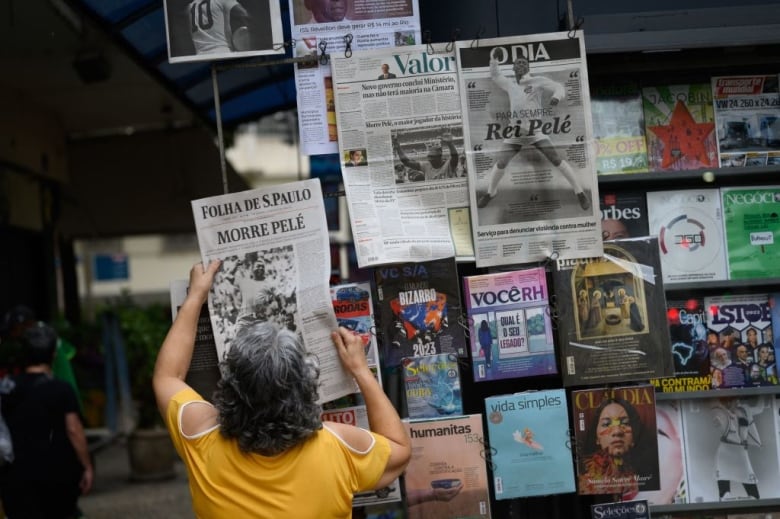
{"x":339,"y":28}
{"x":403,"y":161}
{"x":529,"y":148}
{"x":273,"y":243}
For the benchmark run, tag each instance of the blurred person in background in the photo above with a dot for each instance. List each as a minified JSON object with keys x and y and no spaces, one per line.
{"x":51,"y":466}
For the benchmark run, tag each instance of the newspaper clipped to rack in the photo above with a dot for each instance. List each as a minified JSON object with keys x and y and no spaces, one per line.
{"x":339,"y":28}
{"x":273,"y":243}
{"x":529,"y":147}
{"x":403,"y":162}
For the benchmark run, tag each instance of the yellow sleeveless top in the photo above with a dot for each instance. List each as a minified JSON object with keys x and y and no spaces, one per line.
{"x":315,"y":479}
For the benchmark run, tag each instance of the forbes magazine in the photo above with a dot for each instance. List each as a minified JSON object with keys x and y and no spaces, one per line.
{"x":530,"y":434}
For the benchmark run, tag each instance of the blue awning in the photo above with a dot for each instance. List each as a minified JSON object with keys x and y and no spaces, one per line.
{"x":246,"y":93}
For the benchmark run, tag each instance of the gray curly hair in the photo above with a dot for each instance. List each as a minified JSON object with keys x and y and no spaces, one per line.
{"x":267,"y":397}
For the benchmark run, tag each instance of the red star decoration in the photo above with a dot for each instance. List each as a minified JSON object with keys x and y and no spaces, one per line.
{"x":683,"y":136}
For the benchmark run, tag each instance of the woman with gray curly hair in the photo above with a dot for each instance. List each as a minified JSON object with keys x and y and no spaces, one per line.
{"x":262,"y":450}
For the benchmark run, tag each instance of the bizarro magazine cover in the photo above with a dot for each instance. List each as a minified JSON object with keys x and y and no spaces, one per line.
{"x":418,"y":305}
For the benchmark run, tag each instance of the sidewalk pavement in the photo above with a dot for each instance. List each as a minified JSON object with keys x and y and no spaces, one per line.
{"x":115,"y":496}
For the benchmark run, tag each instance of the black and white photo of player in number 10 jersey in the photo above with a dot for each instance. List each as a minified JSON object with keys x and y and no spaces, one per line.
{"x":209,"y":29}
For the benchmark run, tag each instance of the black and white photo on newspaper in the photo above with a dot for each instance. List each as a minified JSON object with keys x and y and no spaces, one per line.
{"x":201,"y":30}
{"x":529,"y":152}
{"x":336,"y":28}
{"x":399,"y":109}
{"x":274,"y":246}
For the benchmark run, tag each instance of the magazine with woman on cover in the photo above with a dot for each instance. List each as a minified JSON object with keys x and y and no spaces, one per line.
{"x":616,"y":440}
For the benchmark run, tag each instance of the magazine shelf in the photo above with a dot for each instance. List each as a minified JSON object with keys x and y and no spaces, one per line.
{"x":720,"y":393}
{"x":693,"y":178}
{"x":722,"y":285}
{"x":755,"y":505}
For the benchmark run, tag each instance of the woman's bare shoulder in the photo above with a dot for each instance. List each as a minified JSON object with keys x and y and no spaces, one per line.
{"x":357,"y":439}
{"x":197,"y":417}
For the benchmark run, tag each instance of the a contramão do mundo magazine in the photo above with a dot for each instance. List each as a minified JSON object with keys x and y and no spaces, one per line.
{"x":687,"y":319}
{"x":273,"y":244}
{"x":341,"y":28}
{"x":403,"y":162}
{"x":529,"y":147}
{"x":509,"y":324}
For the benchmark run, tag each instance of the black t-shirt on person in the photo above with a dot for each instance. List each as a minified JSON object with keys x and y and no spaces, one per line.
{"x":35,"y":413}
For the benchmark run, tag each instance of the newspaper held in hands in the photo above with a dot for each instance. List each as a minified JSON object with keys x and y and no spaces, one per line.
{"x":273,"y":243}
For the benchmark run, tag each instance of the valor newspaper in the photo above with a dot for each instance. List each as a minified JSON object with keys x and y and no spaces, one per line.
{"x":273,"y":243}
{"x":338,"y":29}
{"x":403,"y":162}
{"x":529,"y":148}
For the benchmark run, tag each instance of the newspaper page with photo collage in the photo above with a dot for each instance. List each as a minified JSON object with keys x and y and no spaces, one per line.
{"x":529,"y":148}
{"x":336,"y":29}
{"x":273,"y":243}
{"x":403,"y":161}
